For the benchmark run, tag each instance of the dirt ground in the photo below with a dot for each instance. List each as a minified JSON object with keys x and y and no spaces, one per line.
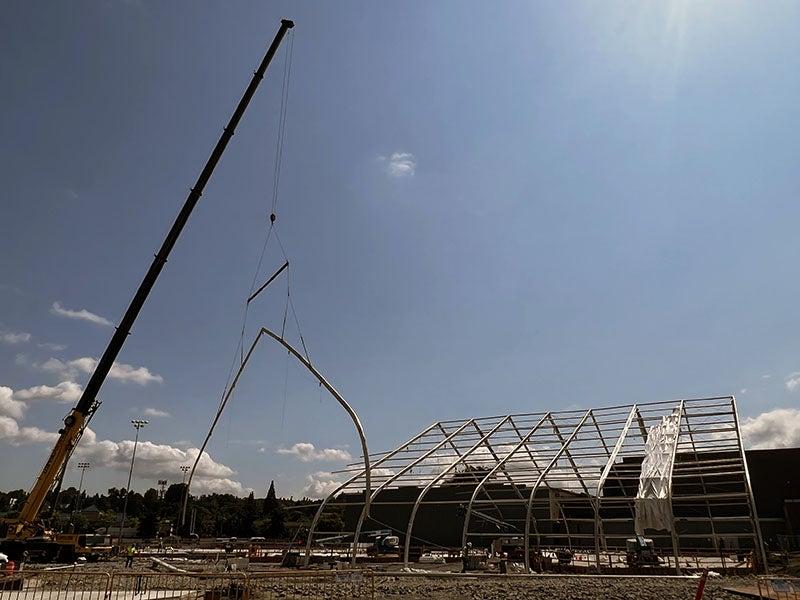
{"x":550,"y":588}
{"x":420,"y":586}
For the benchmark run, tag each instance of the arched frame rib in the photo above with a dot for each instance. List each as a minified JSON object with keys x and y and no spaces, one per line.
{"x":353,"y":479}
{"x":491,"y":473}
{"x":753,"y":511}
{"x":437,"y":479}
{"x":602,"y":481}
{"x":536,"y":466}
{"x":539,"y":480}
{"x":402,"y":472}
{"x":324,"y":382}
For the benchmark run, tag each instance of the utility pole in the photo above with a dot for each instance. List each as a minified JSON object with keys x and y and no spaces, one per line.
{"x":162,"y":483}
{"x":137,"y":425}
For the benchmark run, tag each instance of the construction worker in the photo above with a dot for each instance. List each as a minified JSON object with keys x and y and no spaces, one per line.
{"x":465,"y":557}
{"x":129,"y":558}
{"x":504,"y":563}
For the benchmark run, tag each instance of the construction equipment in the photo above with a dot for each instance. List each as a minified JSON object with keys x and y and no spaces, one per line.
{"x":27,"y":528}
{"x":640,"y":552}
{"x":383,"y":542}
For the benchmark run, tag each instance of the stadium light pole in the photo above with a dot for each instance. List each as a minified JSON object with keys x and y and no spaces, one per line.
{"x":82,"y":466}
{"x":137,"y":425}
{"x":185,"y":469}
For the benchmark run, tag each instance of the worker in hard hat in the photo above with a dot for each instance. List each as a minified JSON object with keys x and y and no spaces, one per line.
{"x":465,"y":556}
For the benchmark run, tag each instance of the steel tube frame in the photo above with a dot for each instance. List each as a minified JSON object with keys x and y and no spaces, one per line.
{"x":753,"y":511}
{"x":324,"y":382}
{"x":353,"y":479}
{"x":542,"y":475}
{"x":674,"y":531}
{"x":405,"y":469}
{"x":602,"y":481}
{"x":438,"y":478}
{"x":568,"y":452}
{"x":491,"y":473}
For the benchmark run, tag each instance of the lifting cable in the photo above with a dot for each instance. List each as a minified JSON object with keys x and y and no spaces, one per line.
{"x":271,"y":229}
{"x":276,"y":171}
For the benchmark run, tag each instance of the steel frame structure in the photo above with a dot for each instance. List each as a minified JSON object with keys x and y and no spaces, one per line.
{"x":565,"y":478}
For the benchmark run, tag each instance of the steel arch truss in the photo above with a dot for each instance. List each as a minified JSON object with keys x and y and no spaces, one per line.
{"x":544,"y":481}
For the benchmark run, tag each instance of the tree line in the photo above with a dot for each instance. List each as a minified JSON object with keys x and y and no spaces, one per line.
{"x":155,"y":514}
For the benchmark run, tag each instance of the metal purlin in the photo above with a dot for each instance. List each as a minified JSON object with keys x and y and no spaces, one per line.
{"x":535,"y":488}
{"x":438,"y":478}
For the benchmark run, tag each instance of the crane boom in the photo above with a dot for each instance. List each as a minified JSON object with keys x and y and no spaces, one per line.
{"x":24,"y":526}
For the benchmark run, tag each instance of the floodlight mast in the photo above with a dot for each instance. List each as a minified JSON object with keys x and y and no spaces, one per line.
{"x":24,"y":526}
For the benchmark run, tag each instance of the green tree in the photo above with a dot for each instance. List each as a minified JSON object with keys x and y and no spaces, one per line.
{"x":148,"y":525}
{"x":271,"y":501}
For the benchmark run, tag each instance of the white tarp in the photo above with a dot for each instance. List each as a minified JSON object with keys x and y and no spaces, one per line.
{"x":653,"y":506}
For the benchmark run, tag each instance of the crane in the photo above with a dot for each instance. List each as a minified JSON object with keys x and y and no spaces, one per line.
{"x":25,"y":532}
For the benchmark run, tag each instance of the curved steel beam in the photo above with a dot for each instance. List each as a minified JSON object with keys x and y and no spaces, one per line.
{"x":536,"y":485}
{"x":348,"y":409}
{"x":402,"y":472}
{"x":437,"y":479}
{"x":221,"y":407}
{"x":324,"y":382}
{"x":354,"y":478}
{"x":491,"y":473}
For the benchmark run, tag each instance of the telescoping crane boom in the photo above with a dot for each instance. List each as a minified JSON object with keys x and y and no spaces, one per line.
{"x":26,"y":525}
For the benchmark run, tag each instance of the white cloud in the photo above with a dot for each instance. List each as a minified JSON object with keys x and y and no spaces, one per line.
{"x":66,"y":391}
{"x":81,"y":315}
{"x":306,"y":452}
{"x":793,"y":381}
{"x":766,"y":376}
{"x":52,"y":346}
{"x":9,"y":406}
{"x":15,"y":435}
{"x":154,"y":412}
{"x":779,"y":428}
{"x":154,"y":460}
{"x":381,"y":473}
{"x":12,"y":337}
{"x":399,"y":164}
{"x":219,"y":486}
{"x":743,"y":391}
{"x":320,"y":484}
{"x":86,"y":364}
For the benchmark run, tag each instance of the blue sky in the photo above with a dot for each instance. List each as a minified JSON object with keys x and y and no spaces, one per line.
{"x":488,"y":208}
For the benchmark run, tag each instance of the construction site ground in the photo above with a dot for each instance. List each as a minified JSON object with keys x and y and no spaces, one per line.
{"x":266,"y":581}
